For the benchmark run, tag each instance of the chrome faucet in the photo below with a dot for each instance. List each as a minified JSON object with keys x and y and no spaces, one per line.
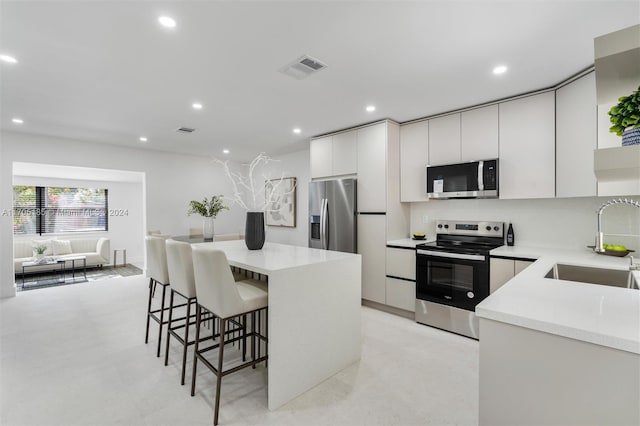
{"x":599,"y":236}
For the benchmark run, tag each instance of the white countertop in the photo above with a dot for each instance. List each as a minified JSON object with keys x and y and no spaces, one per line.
{"x":604,"y":315}
{"x":273,"y":256}
{"x":409,"y":242}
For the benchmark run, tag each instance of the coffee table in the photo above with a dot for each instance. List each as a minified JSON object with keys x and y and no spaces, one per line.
{"x":62,"y":261}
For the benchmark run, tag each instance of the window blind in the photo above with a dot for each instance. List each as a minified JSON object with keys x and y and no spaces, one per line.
{"x":62,"y":210}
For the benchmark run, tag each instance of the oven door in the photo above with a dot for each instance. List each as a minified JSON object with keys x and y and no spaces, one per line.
{"x":455,"y":279}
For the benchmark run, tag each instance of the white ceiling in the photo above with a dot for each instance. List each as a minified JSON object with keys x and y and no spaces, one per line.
{"x":106,"y":71}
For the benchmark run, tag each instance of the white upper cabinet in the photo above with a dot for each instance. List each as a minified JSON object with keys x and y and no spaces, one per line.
{"x":444,"y":140}
{"x":414,"y":157}
{"x":527,"y":147}
{"x":479,"y":133}
{"x":576,"y":138}
{"x":345,"y":157}
{"x":372,"y":168}
{"x":321,"y":153}
{"x":334,"y":155}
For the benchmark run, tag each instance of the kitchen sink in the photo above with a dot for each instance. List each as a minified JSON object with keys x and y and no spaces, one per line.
{"x":589,"y":275}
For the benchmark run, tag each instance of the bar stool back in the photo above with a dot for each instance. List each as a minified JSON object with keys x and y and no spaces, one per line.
{"x":180,"y":267}
{"x":218,"y":293}
{"x":158,"y":273}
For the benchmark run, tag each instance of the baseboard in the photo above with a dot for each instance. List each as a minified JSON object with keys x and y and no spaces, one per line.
{"x":389,"y":309}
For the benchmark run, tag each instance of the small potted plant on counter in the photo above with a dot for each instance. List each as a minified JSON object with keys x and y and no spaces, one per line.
{"x":625,"y":117}
{"x":208,"y":209}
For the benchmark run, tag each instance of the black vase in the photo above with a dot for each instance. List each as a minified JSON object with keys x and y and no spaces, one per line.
{"x":254,"y":230}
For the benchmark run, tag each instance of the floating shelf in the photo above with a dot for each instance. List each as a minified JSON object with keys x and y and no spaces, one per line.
{"x":617,"y":164}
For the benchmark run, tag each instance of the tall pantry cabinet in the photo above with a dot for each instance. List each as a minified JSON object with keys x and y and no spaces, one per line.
{"x":381,"y":216}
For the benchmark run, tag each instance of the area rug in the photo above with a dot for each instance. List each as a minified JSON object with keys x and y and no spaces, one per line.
{"x":35,"y":281}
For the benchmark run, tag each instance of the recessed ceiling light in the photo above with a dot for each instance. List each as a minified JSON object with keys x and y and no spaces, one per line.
{"x":370,"y":108}
{"x":17,"y":120}
{"x":500,"y":69}
{"x":296,"y":130}
{"x":9,"y":59}
{"x":167,"y":22}
{"x":196,"y":105}
{"x":225,"y":151}
{"x":143,"y":139}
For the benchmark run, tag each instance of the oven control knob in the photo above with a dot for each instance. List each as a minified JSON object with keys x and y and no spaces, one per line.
{"x":439,"y":225}
{"x":496,"y":228}
{"x":470,"y":294}
{"x":446,"y":227}
{"x":488,"y":228}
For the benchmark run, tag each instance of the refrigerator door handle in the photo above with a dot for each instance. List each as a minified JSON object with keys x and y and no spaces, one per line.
{"x":325,"y":237}
{"x":322,"y":223}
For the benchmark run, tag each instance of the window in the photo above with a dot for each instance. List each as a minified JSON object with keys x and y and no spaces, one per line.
{"x":48,"y":210}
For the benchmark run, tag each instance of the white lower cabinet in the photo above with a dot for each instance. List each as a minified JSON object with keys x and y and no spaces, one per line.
{"x":401,"y":294}
{"x":401,"y":278}
{"x":502,"y":270}
{"x":372,"y":245}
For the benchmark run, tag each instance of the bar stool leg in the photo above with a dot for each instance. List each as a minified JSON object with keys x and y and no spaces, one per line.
{"x":219,"y":378}
{"x":266,"y":335}
{"x":146,"y":337}
{"x":195,"y":350}
{"x":164,"y":292}
{"x":253,"y":338}
{"x":166,"y":350}
{"x":186,"y":340}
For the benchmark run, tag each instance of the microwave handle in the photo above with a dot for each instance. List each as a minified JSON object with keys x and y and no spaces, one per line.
{"x":481,"y":175}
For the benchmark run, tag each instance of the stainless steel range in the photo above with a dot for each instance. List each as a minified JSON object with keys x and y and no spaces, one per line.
{"x":452,"y":274}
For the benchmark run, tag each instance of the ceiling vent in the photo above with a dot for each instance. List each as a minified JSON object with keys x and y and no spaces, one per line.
{"x":185,"y":130}
{"x":302,"y":67}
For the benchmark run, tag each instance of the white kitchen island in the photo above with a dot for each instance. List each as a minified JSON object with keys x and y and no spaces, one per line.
{"x":314,"y":312}
{"x":559,"y":352}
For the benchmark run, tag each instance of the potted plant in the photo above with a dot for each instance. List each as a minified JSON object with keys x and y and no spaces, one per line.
{"x":208,"y":209}
{"x":39,"y":250}
{"x":625,"y":117}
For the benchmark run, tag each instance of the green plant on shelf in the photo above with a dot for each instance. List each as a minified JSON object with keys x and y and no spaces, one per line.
{"x":626,"y":114}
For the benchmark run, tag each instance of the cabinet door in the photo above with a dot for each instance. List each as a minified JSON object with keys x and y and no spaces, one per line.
{"x":414,"y":157}
{"x":500,"y":271}
{"x":344,"y":153}
{"x":527,"y":147}
{"x":401,"y":263}
{"x":321,"y":157}
{"x":576,"y":116}
{"x":372,"y":168}
{"x":444,"y":140}
{"x":372,"y":245}
{"x":479,"y":134}
{"x":521,"y":265}
{"x":401,"y":294}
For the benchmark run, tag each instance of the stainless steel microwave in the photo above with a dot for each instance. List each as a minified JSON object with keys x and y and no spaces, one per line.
{"x":474,"y":179}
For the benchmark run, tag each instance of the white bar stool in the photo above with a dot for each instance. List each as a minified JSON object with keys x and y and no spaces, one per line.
{"x":218,"y":293}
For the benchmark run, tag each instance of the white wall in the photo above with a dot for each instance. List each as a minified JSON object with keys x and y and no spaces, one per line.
{"x":171,"y":181}
{"x":294,"y":165}
{"x":566,"y":223}
{"x":124,"y":230}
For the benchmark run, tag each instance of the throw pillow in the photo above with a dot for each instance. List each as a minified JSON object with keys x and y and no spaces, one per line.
{"x":61,"y":247}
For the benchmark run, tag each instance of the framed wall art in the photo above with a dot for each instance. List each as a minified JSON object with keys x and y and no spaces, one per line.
{"x":281,"y":202}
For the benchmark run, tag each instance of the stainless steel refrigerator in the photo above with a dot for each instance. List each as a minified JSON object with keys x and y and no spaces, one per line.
{"x":332,"y":215}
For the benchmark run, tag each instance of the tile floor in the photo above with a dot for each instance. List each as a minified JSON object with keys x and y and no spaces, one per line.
{"x":75,"y":355}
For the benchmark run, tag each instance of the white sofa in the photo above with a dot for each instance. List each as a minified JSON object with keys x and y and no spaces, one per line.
{"x":95,"y":249}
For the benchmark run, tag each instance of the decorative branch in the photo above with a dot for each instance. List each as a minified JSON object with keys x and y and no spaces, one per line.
{"x":247,"y":191}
